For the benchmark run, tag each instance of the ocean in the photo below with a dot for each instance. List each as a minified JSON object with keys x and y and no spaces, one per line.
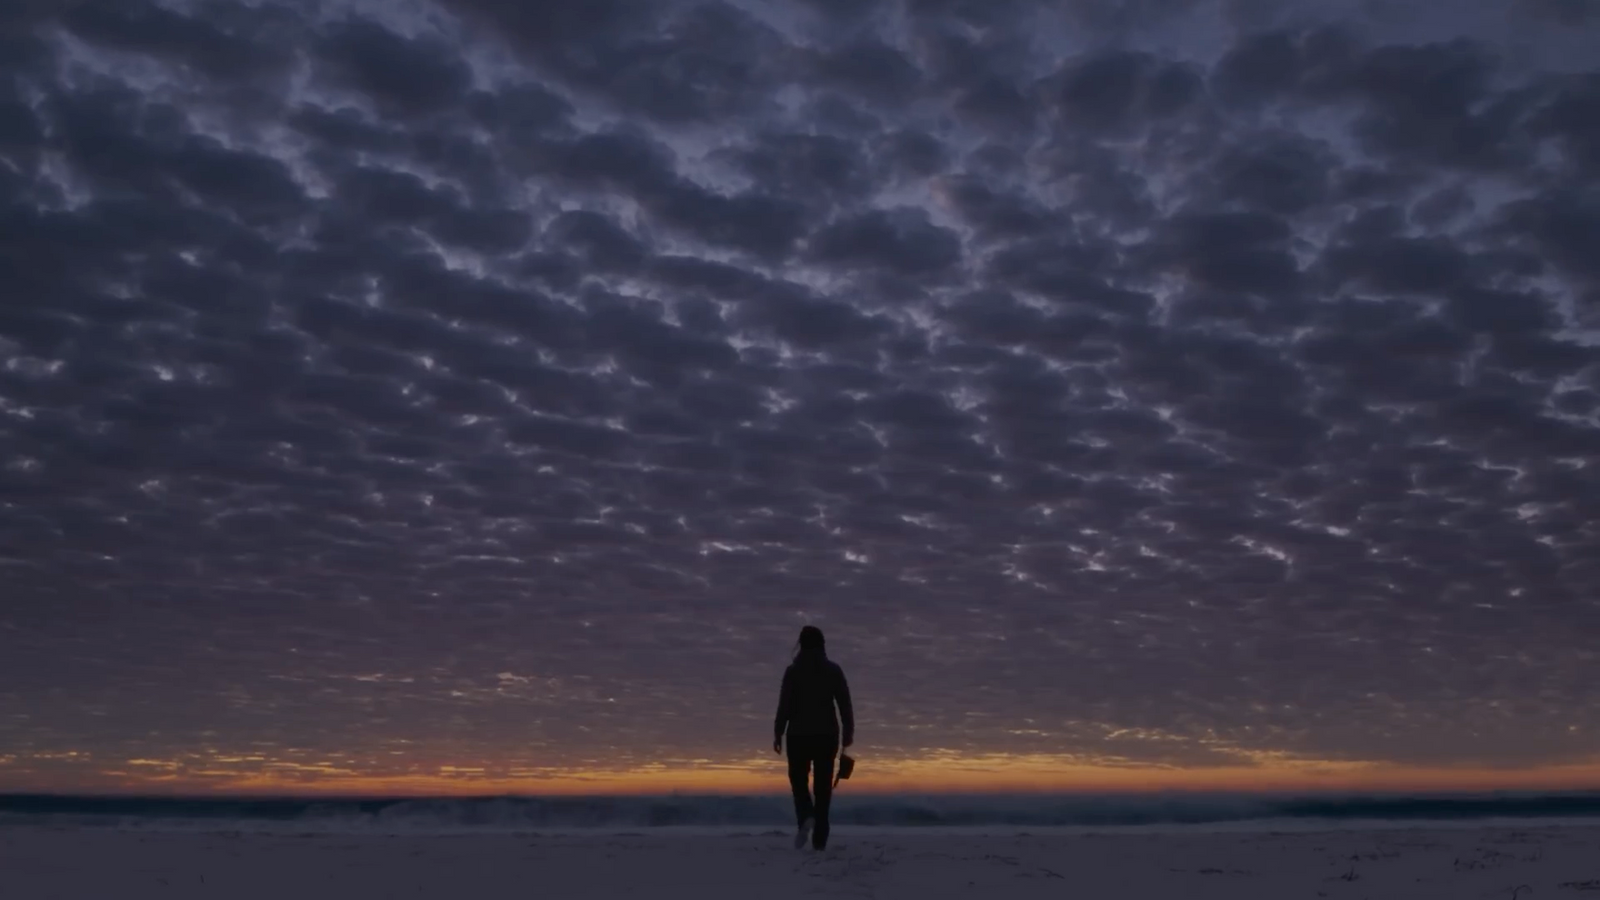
{"x":559,"y":814}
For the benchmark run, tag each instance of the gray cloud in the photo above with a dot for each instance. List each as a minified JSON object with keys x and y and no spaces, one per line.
{"x":1232,"y":377}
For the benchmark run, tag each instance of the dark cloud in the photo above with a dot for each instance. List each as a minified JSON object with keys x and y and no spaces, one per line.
{"x":806,"y":167}
{"x":1258,"y":68}
{"x":996,"y":214}
{"x":447,"y":363}
{"x":900,"y":240}
{"x":710,"y":60}
{"x":912,"y":154}
{"x":234,"y":42}
{"x":1104,"y":92}
{"x":597,"y":240}
{"x":871,"y":69}
{"x":1275,"y":172}
{"x":1570,"y":117}
{"x":674,"y":62}
{"x":399,"y":75}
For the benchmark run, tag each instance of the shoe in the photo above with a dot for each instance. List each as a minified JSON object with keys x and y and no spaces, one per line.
{"x":804,"y":834}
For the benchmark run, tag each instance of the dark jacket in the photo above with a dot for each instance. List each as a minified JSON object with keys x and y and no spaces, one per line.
{"x":812,"y":685}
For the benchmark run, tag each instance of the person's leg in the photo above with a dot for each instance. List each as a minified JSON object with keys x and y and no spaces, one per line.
{"x":799,"y":762}
{"x":822,"y":765}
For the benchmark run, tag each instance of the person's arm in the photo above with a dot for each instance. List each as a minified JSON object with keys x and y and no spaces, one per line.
{"x":847,"y":713}
{"x":785,"y":706}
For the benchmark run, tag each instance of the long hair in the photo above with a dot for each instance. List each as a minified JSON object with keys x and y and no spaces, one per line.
{"x":811,"y":647}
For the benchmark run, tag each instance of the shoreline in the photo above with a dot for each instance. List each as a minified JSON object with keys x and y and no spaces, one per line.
{"x":133,"y":825}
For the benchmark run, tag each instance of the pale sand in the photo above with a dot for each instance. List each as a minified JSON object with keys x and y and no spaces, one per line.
{"x":1419,"y":863}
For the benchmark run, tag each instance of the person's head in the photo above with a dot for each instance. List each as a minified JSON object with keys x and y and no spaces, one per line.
{"x":811,"y":640}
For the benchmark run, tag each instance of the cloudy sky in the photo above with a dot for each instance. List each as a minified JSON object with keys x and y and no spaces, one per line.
{"x":478,"y":393}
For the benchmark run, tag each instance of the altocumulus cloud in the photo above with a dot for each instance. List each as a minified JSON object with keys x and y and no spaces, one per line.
{"x":510,"y":379}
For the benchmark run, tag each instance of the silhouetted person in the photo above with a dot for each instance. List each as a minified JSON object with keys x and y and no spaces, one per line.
{"x":812,"y":686}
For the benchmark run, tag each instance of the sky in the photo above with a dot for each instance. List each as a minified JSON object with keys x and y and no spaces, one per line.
{"x":479,"y":395}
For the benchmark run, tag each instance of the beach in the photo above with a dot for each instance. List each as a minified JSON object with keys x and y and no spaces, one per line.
{"x":1456,"y":862}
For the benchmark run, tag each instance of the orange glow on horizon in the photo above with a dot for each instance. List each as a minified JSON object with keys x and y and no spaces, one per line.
{"x":947,"y":773}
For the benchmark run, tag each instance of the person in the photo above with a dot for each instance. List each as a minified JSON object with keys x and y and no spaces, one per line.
{"x":812,"y":686}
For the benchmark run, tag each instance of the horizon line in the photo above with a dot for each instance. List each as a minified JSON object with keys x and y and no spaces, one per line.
{"x":1343,"y":792}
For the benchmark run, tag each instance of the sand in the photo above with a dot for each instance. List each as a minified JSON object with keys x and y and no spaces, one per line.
{"x":1526,"y":863}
